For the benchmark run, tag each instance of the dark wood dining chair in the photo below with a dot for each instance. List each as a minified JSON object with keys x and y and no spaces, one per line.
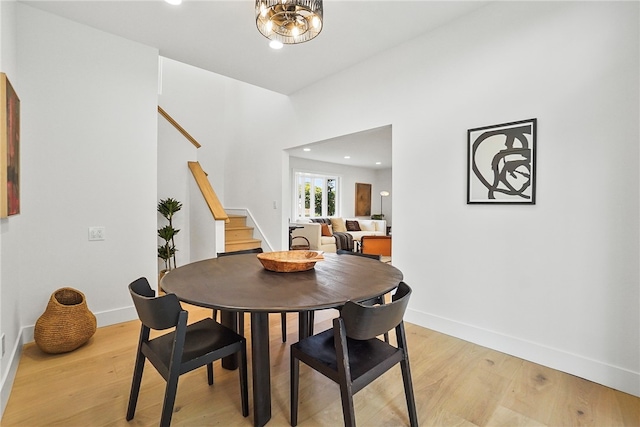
{"x":182,"y":350}
{"x":351,"y":355}
{"x":375,"y":300}
{"x":283,"y":316}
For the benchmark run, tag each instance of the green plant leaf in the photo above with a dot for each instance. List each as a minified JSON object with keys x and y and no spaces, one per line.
{"x":166,"y":232}
{"x":168,"y":207}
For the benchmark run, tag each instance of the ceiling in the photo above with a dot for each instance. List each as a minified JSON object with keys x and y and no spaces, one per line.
{"x":364,"y":149}
{"x":221,"y":36}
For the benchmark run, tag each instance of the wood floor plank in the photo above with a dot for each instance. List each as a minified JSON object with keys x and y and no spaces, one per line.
{"x":456,"y":383}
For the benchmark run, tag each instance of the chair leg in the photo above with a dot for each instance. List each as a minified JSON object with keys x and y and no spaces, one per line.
{"x":244,"y":388}
{"x":210,"y":373}
{"x":348,"y":411}
{"x":283,"y":320}
{"x":294,"y":381}
{"x":344,"y":372}
{"x":169,"y":400}
{"x":135,"y":385}
{"x":406,"y":376}
{"x":408,"y":392}
{"x":214,"y":314}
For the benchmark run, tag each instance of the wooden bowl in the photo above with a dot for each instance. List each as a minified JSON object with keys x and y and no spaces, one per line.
{"x":290,"y":261}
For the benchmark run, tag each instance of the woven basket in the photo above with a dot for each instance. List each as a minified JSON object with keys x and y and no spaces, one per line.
{"x":66,"y":324}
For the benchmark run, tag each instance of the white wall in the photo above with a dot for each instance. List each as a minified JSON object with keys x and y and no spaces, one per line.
{"x":88,"y":158}
{"x":9,"y":293}
{"x":261,"y":123}
{"x":192,"y":97}
{"x":556,"y":283}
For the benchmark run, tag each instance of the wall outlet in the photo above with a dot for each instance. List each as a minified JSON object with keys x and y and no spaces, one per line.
{"x":96,"y":233}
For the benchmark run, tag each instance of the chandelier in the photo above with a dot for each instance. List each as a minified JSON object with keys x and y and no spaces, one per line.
{"x":289,"y":21}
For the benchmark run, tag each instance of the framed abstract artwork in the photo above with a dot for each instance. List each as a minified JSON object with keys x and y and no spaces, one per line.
{"x":363,"y":199}
{"x":9,"y":149}
{"x":501,"y":163}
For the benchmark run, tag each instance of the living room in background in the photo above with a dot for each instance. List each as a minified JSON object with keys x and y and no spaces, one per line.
{"x":316,"y":195}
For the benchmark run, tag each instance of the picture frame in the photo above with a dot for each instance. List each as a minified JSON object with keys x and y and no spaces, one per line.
{"x":363,"y":199}
{"x":501,"y":163}
{"x":9,"y":149}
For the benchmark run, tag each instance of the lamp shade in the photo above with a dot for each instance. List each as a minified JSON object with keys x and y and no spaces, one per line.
{"x":289,"y":21}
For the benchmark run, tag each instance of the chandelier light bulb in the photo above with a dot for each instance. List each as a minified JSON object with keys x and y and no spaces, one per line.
{"x":295,"y":32}
{"x":315,"y":21}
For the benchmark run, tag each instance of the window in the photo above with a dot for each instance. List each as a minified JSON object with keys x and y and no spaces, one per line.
{"x":316,"y":195}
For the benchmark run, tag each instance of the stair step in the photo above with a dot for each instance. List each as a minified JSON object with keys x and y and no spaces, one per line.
{"x":240,"y":245}
{"x":236,"y":221}
{"x":238,"y":233}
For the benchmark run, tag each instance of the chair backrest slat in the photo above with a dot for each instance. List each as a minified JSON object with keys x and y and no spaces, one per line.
{"x":154,"y":312}
{"x":365,"y":322}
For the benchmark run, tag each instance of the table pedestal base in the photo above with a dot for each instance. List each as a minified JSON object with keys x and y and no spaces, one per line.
{"x":260,"y":371}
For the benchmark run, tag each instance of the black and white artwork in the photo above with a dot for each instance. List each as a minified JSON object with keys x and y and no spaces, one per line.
{"x":501,"y":163}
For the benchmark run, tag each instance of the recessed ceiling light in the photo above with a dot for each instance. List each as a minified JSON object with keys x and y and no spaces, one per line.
{"x":275,"y":44}
{"x":347,"y":157}
{"x":306,"y":149}
{"x":174,"y":2}
{"x":378,"y":163}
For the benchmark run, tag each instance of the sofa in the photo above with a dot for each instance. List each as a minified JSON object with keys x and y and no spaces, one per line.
{"x":324,"y":240}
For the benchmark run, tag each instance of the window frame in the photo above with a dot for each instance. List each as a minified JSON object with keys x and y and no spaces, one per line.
{"x":298,"y":213}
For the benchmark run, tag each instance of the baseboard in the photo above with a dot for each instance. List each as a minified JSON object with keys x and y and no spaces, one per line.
{"x":10,"y":375}
{"x":593,"y":370}
{"x":104,"y":318}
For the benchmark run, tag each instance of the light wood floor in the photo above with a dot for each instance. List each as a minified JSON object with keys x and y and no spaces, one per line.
{"x":456,"y":384}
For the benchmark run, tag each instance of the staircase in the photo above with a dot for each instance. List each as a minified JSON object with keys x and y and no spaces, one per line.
{"x":238,"y":236}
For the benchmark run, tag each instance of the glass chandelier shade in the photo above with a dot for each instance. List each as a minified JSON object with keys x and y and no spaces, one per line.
{"x":289,"y":21}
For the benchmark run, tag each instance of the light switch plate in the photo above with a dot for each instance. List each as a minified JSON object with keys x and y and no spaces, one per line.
{"x":96,"y":233}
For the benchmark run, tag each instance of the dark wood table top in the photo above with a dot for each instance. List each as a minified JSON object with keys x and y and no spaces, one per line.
{"x":240,"y":283}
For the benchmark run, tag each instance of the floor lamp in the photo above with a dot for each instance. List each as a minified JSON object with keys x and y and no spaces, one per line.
{"x":382,"y":194}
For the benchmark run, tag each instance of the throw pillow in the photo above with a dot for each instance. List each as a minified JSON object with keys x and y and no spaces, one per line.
{"x":338,"y":225}
{"x":366,"y":225}
{"x":326,"y":230}
{"x":353,"y":226}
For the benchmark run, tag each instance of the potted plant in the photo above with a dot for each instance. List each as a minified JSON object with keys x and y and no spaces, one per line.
{"x":167,"y":251}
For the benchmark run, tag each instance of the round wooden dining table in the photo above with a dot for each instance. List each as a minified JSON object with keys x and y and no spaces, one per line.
{"x":239,"y":283}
